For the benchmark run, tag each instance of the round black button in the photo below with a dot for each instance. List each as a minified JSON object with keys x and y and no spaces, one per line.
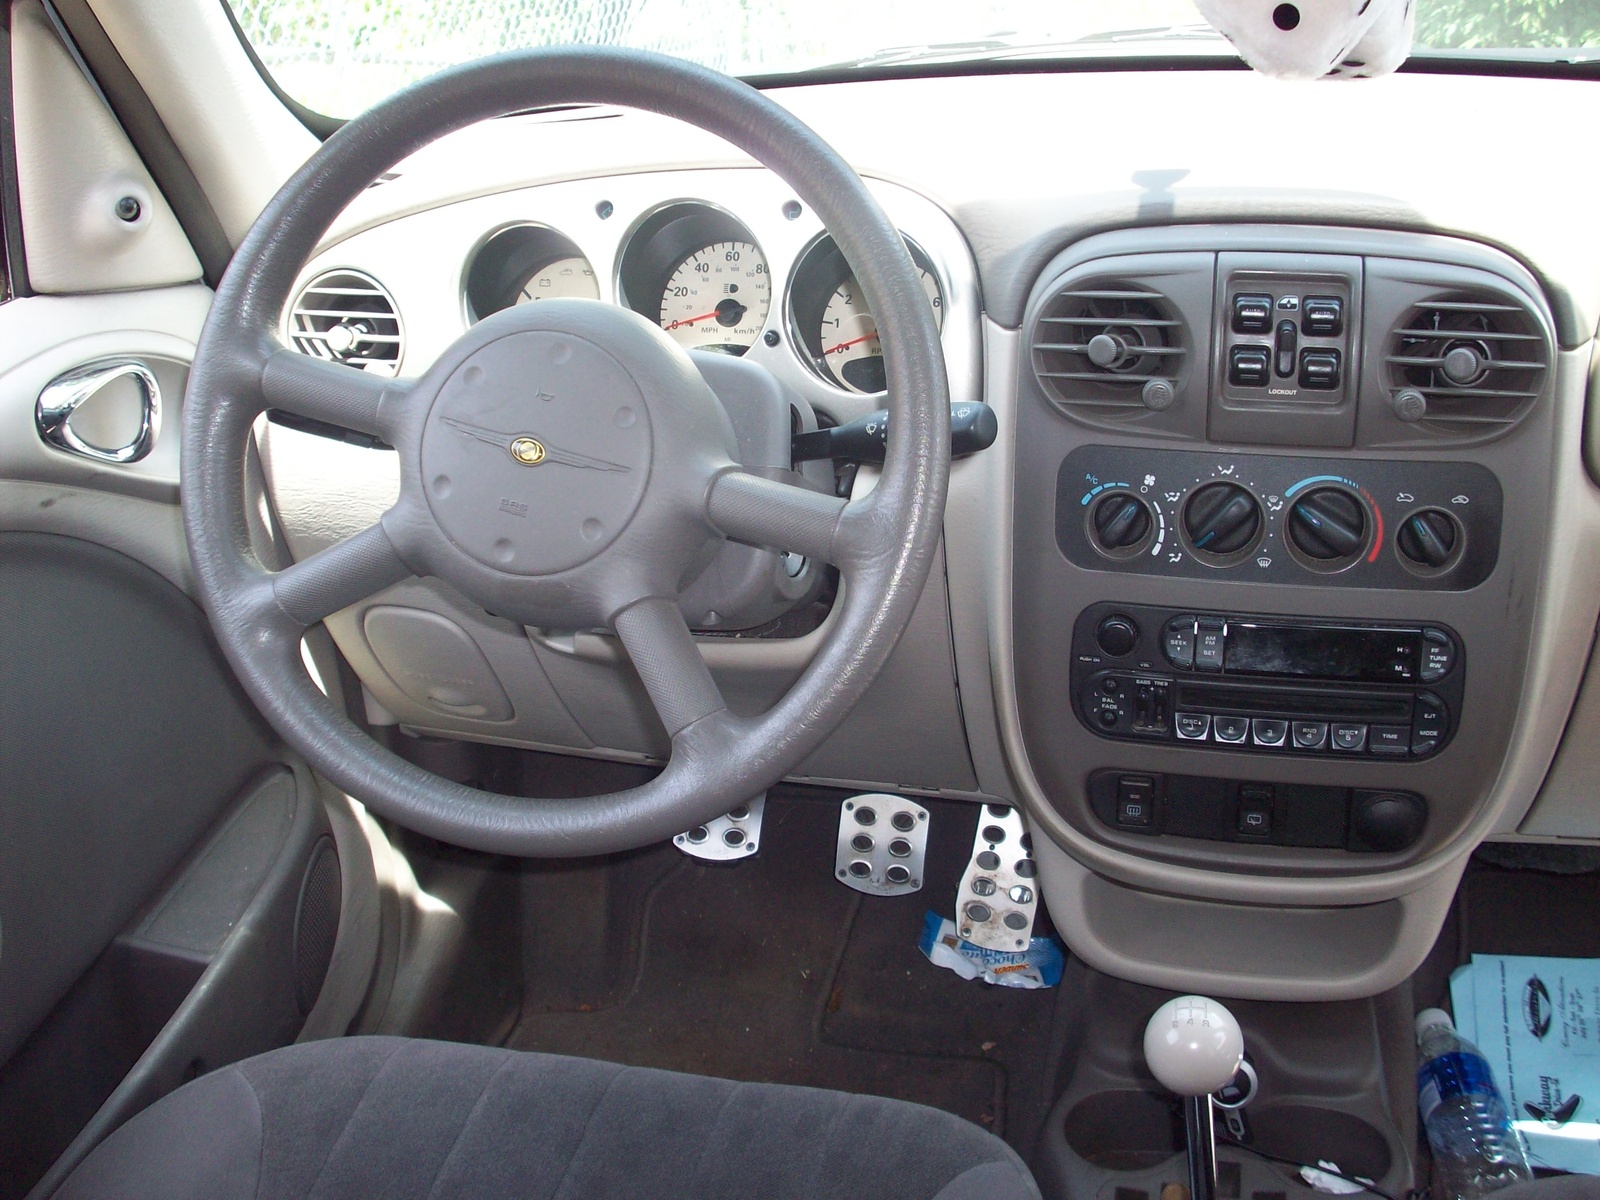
{"x":1117,"y":636}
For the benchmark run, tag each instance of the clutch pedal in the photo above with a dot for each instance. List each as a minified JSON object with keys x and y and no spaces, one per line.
{"x":883,"y":841}
{"x":727,"y":838}
{"x":999,"y":892}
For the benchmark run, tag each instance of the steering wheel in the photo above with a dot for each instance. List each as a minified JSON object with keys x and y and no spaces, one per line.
{"x":564,"y":465}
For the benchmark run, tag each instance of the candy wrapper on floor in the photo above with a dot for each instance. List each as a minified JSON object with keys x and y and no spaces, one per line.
{"x":1039,"y":966}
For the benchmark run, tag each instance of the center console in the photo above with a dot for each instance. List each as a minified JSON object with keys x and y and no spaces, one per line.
{"x":1278,"y":521}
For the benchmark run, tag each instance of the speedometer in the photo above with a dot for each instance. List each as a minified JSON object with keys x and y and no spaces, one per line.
{"x":850,"y":347}
{"x":717,"y":298}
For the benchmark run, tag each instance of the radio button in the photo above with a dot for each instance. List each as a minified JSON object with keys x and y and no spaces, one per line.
{"x":1193,"y":727}
{"x":1429,"y":723}
{"x":1349,"y":738}
{"x":1230,"y":729}
{"x":1392,"y":741}
{"x":1208,"y":645}
{"x":1309,"y":735}
{"x":1438,"y":655}
{"x":1266,"y":732}
{"x":1177,"y":642}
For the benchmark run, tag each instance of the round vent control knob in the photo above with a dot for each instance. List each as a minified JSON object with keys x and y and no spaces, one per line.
{"x":1462,"y":364}
{"x":1222,"y":518}
{"x":1428,"y":538}
{"x":1120,"y":521}
{"x":1409,"y":405}
{"x":1104,"y":350}
{"x":1327,"y":524}
{"x":1158,"y":395}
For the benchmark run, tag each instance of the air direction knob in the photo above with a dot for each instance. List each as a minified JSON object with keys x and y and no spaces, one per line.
{"x":1222,"y":518}
{"x":1120,"y":521}
{"x":1327,"y":524}
{"x":1428,"y":538}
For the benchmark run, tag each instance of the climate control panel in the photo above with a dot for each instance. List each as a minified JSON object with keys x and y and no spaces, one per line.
{"x":1279,"y":519}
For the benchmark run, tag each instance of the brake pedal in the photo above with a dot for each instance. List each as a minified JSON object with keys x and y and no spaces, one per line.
{"x":727,"y":838}
{"x":999,"y":892}
{"x":883,"y":841}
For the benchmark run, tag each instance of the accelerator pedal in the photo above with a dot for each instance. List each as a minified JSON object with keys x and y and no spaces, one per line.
{"x":883,"y":841}
{"x":999,"y":894}
{"x":727,"y":838}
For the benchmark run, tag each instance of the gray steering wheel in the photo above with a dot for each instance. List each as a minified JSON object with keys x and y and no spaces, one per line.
{"x":599,"y":428}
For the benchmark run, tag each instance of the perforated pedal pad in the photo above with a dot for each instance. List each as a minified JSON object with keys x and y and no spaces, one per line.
{"x":727,"y":838}
{"x":883,"y":841}
{"x":999,"y":893}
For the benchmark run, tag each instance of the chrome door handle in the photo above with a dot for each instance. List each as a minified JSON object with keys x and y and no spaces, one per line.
{"x":64,"y":395}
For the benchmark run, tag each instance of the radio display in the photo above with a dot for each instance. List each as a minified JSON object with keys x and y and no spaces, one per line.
{"x":1363,"y":655}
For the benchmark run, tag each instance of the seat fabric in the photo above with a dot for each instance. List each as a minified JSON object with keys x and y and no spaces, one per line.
{"x":419,"y":1120}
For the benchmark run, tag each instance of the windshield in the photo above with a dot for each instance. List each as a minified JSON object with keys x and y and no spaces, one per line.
{"x":340,"y":56}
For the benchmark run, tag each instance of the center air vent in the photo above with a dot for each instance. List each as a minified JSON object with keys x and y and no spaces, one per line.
{"x":1477,"y":359}
{"x":1109,"y":349}
{"x":348,"y":317}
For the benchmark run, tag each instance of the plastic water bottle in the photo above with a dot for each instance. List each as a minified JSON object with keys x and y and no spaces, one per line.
{"x":1475,"y":1150}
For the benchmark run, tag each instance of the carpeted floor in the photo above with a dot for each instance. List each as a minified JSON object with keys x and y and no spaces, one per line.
{"x":772,"y":970}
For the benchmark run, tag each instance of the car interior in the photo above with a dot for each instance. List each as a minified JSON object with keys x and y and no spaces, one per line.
{"x":612,"y":599}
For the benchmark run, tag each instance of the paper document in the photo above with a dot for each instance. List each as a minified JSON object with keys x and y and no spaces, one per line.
{"x":1537,"y":1021}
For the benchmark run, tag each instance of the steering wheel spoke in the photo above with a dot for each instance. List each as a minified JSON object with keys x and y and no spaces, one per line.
{"x":334,"y":394}
{"x":780,"y":516}
{"x":337,"y":577}
{"x":658,"y":641}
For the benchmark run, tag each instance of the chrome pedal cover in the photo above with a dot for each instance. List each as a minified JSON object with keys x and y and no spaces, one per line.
{"x":727,"y":838}
{"x":883,"y":841}
{"x":999,"y":892}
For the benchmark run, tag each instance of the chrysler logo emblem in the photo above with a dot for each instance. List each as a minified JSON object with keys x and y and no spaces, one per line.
{"x":531,"y":451}
{"x":528,"y":451}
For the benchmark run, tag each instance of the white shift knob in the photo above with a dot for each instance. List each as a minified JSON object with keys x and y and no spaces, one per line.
{"x":1193,"y":1045}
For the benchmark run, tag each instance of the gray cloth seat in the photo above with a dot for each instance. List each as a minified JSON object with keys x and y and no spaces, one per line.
{"x":419,"y":1120}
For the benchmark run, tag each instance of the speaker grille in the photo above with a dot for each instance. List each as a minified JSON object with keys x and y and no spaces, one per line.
{"x":316,"y":923}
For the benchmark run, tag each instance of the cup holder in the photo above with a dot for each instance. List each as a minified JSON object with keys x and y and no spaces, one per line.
{"x":1126,"y":1130}
{"x":1307,"y":1133}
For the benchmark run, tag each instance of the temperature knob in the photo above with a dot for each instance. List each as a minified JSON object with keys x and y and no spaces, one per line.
{"x":1428,"y":538}
{"x":1328,"y":524}
{"x":1120,"y":521}
{"x":1222,"y":518}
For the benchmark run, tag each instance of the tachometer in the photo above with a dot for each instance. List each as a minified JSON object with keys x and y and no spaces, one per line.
{"x":571,"y":277}
{"x":849,"y":336}
{"x":717,"y":298}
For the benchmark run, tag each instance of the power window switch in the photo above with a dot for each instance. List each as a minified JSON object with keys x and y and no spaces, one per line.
{"x":1319,"y":370}
{"x":1322,"y":316}
{"x":1136,"y":801}
{"x":1249,"y":366}
{"x":1252,"y":313}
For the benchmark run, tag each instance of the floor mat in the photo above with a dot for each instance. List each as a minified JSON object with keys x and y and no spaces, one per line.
{"x":771,"y":970}
{"x":1501,"y":910}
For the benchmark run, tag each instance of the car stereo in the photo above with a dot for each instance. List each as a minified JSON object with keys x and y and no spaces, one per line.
{"x":1267,"y":684}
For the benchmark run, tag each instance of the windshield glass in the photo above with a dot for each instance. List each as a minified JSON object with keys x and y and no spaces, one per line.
{"x":340,"y":56}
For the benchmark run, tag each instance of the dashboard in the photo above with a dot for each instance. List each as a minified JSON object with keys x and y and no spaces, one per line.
{"x":1274,"y":596}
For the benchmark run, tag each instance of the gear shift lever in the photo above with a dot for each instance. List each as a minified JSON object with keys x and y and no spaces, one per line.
{"x":1193,"y":1047}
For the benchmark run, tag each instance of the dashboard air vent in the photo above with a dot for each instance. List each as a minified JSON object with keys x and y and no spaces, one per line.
{"x":1477,"y":358}
{"x":348,"y":317}
{"x":1102,"y":343}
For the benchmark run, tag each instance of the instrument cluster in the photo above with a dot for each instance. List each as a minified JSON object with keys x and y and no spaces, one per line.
{"x":700,"y":273}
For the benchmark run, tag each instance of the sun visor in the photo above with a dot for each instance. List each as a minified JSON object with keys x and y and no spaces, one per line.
{"x":1316,"y":39}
